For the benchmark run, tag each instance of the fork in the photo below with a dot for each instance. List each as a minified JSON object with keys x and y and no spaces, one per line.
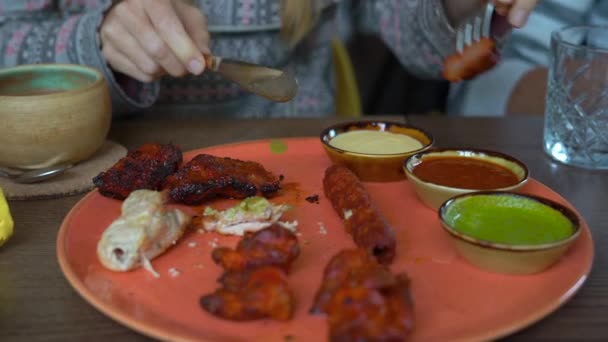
{"x":478,"y":40}
{"x":474,"y":28}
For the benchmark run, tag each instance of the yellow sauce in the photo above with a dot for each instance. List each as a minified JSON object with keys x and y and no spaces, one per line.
{"x":375,"y":142}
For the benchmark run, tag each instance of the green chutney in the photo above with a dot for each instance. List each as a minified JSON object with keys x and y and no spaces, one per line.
{"x":508,"y":219}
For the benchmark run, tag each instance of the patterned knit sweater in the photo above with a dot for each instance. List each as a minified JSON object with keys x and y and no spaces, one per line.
{"x":66,"y":31}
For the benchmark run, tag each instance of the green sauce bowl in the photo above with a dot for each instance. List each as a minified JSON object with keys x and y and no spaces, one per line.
{"x":507,"y":232}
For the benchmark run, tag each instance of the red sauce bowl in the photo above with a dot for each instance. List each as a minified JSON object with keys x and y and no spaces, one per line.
{"x":465,"y":170}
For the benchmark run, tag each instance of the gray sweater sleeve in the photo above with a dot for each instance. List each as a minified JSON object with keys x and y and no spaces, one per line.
{"x":418,"y":32}
{"x":52,"y":32}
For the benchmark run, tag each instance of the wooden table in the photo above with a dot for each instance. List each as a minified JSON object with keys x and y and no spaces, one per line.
{"x":37,"y":303}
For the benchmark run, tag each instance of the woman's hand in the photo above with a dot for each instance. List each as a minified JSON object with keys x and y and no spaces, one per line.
{"x":517,"y":11}
{"x":148,"y":39}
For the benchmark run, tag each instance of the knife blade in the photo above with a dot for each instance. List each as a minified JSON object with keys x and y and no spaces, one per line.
{"x":272,"y":84}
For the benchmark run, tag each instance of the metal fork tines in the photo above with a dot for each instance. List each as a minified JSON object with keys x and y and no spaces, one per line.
{"x":474,"y":28}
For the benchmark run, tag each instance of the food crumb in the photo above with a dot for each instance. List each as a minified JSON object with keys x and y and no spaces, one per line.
{"x":322,"y":228}
{"x":213,"y":243}
{"x":199,"y":266}
{"x":442,"y":261}
{"x":348,"y":214}
{"x":201,"y":231}
{"x":306,"y":242}
{"x":419,"y":260}
{"x":174,"y":272}
{"x":313,"y":199}
{"x":292,"y":226}
{"x":192,"y":244}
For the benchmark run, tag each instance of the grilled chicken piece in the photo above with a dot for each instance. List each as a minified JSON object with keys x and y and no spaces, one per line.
{"x":364,"y":300}
{"x":250,"y":215}
{"x":254,"y":294}
{"x":350,"y":267}
{"x":145,"y":229}
{"x":143,"y":168}
{"x":370,"y":314}
{"x":272,"y":246}
{"x":208,"y":176}
{"x":254,"y":284}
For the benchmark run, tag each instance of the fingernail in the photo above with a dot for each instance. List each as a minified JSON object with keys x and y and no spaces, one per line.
{"x":195,"y":67}
{"x":519,"y":18}
{"x":206,"y":50}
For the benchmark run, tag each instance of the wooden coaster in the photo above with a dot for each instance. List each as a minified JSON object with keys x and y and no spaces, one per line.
{"x":74,"y":181}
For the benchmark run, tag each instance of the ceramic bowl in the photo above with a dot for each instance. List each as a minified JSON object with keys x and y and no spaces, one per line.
{"x":374,"y":167}
{"x":505,"y":257}
{"x":433,"y":195}
{"x":51,"y":114}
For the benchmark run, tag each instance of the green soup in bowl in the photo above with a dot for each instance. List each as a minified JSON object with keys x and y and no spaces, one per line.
{"x":508,"y":232}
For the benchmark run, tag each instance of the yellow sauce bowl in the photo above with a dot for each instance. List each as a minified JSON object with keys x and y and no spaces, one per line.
{"x":374,"y":167}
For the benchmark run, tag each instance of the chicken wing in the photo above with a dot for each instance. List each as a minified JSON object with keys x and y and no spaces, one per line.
{"x":272,"y":246}
{"x":364,"y":300}
{"x":143,"y":168}
{"x":350,"y":267}
{"x":371,"y":314}
{"x":254,"y":284}
{"x":208,"y":176}
{"x":254,"y":294}
{"x":361,"y":219}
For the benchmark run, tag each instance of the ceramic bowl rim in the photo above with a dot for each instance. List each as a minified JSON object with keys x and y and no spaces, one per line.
{"x":564,"y":210}
{"x":78,"y":68}
{"x":408,"y":167}
{"x":325,"y":133}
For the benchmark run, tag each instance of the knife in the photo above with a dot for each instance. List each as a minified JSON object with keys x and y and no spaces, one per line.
{"x":272,"y":84}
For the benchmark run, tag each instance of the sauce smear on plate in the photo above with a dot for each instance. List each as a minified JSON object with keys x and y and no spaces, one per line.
{"x":465,"y":173}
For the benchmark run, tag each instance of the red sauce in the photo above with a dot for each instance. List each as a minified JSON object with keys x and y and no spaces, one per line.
{"x":465,"y":173}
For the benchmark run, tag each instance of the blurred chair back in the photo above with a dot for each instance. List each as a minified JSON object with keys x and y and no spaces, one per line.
{"x":348,"y":99}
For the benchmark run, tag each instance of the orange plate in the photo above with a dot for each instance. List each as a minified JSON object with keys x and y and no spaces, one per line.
{"x":453,"y":300}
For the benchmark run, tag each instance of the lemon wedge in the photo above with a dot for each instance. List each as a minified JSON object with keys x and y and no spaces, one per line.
{"x":6,"y":220}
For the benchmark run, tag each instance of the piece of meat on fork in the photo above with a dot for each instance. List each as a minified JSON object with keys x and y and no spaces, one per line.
{"x":143,"y":168}
{"x":207,"y":176}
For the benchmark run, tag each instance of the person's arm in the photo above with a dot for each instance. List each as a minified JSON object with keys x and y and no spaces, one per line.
{"x":516,"y":11}
{"x":418,"y":32}
{"x":517,"y":85}
{"x":48,"y":31}
{"x":421,"y":33}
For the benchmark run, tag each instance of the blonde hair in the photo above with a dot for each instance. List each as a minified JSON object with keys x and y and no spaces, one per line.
{"x":298,"y":18}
